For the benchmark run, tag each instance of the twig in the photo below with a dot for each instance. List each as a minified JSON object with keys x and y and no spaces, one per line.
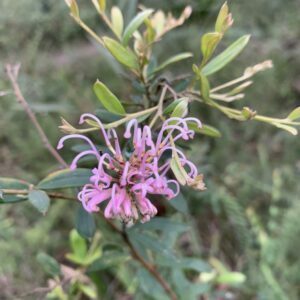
{"x":88,"y":30}
{"x":151,"y":268}
{"x":160,"y":106}
{"x":25,"y":192}
{"x":12,"y":72}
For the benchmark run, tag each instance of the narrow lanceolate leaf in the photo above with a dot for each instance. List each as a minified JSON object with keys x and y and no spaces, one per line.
{"x":108,"y":99}
{"x":204,"y":87}
{"x":178,"y":169}
{"x":209,"y":43}
{"x":223,"y":13}
{"x":231,"y":278}
{"x":117,"y":21}
{"x":99,"y":4}
{"x":112,"y":258}
{"x":210,"y":131}
{"x":123,"y":55}
{"x":205,"y":129}
{"x":226,"y":56}
{"x":89,"y":291}
{"x":172,"y":60}
{"x":164,"y":225}
{"x":172,"y":105}
{"x":148,"y":242}
{"x":180,"y":204}
{"x":224,"y":20}
{"x":14,"y":184}
{"x":78,"y":244}
{"x":85,"y":223}
{"x":135,"y":23}
{"x":102,"y":4}
{"x":40,"y":200}
{"x":49,"y":264}
{"x":73,"y":7}
{"x":295,"y":114}
{"x":180,"y":110}
{"x":287,"y":128}
{"x":96,"y":4}
{"x":188,"y":263}
{"x":66,"y":179}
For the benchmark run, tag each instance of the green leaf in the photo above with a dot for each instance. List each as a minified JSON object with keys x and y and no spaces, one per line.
{"x":231,"y":278}
{"x":121,"y":54}
{"x":205,"y":129}
{"x":134,"y":24}
{"x":187,"y":263}
{"x":66,"y":179}
{"x":186,"y":289}
{"x":150,"y":286}
{"x":177,"y":170}
{"x":204,"y":87}
{"x":89,"y":291}
{"x":93,"y":257}
{"x":192,"y":263}
{"x":78,"y":244}
{"x":223,"y":19}
{"x":117,"y":21}
{"x":226,"y":56}
{"x":182,"y":85}
{"x":151,"y":243}
{"x":287,"y":128}
{"x":108,"y":260}
{"x":102,"y":4}
{"x":295,"y":114}
{"x":180,"y":203}
{"x":85,"y":223}
{"x":172,"y":105}
{"x":40,"y":200}
{"x":173,"y":60}
{"x":73,"y":7}
{"x":49,"y":264}
{"x":75,"y":259}
{"x":15,"y":184}
{"x":209,"y":43}
{"x":108,"y":99}
{"x":144,"y":117}
{"x":106,"y":116}
{"x":180,"y":109}
{"x":209,"y":130}
{"x":163,"y":224}
{"x":84,"y":261}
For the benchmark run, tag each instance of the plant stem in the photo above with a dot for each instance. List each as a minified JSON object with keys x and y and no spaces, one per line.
{"x":119,"y":122}
{"x":12,"y":72}
{"x":151,"y":268}
{"x":237,"y":114}
{"x":159,"y":107}
{"x":88,"y":30}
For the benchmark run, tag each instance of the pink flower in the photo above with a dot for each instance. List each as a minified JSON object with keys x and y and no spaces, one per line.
{"x":127,"y":184}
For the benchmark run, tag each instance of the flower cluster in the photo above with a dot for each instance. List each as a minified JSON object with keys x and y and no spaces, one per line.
{"x":127,"y":183}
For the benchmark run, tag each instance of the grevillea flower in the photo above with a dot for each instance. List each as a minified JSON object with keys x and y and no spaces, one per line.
{"x":126,"y":184}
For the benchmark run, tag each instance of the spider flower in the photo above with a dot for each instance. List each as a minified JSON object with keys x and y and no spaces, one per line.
{"x":127,"y":183}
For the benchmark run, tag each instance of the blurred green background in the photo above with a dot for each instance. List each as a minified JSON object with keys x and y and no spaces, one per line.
{"x":249,"y":216}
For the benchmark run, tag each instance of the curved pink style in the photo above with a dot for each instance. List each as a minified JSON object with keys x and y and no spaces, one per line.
{"x":127,"y":184}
